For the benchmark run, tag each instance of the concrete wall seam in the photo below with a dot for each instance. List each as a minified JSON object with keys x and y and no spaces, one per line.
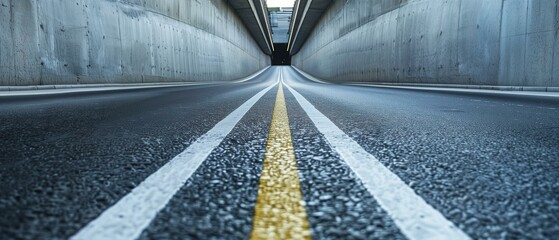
{"x":123,"y":41}
{"x":507,"y":42}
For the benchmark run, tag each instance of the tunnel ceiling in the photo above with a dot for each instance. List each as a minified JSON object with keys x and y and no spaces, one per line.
{"x":306,"y":15}
{"x":254,"y":14}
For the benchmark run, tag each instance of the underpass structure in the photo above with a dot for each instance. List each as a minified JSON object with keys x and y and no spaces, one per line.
{"x":128,"y":119}
{"x":58,"y":42}
{"x":460,"y":42}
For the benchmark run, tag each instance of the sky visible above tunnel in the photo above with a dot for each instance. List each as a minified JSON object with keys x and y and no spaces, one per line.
{"x":280,"y":3}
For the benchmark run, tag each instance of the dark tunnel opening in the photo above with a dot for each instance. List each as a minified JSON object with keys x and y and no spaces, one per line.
{"x":281,"y":56}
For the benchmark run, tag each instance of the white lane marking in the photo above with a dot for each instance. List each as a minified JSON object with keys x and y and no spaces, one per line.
{"x":58,"y":89}
{"x":415,"y":217}
{"x":134,"y":212}
{"x":252,"y":75}
{"x":465,"y":90}
{"x":79,"y":89}
{"x":308,"y":76}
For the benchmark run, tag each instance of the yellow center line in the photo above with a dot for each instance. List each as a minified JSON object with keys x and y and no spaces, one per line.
{"x":280,"y":211}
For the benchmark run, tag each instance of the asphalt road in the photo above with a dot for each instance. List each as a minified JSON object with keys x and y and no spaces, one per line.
{"x":486,"y":163}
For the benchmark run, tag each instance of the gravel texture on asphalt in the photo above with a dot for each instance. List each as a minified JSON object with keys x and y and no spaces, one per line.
{"x":218,"y":200}
{"x":488,"y":162}
{"x":338,"y":204}
{"x":67,"y":157}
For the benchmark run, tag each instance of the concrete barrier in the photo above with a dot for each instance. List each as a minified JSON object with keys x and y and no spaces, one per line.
{"x":46,"y":42}
{"x":480,"y":42}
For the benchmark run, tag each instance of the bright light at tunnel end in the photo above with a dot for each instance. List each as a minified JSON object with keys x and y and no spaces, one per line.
{"x":280,"y":3}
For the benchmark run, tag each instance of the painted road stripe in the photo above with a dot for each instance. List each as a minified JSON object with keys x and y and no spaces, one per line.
{"x":464,"y":90}
{"x":134,"y":212}
{"x":280,"y":211}
{"x":85,"y":89}
{"x":415,"y":217}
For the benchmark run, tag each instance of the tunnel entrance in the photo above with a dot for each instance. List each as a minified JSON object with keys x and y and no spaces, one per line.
{"x":281,"y":56}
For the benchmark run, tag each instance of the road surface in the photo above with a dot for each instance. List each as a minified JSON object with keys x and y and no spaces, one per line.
{"x":246,"y":160}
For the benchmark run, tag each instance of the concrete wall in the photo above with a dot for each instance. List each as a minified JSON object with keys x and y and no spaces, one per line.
{"x":124,"y":41}
{"x":489,"y":42}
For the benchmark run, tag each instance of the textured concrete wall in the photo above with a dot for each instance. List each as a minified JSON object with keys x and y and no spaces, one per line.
{"x":110,"y":41}
{"x":490,"y":42}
